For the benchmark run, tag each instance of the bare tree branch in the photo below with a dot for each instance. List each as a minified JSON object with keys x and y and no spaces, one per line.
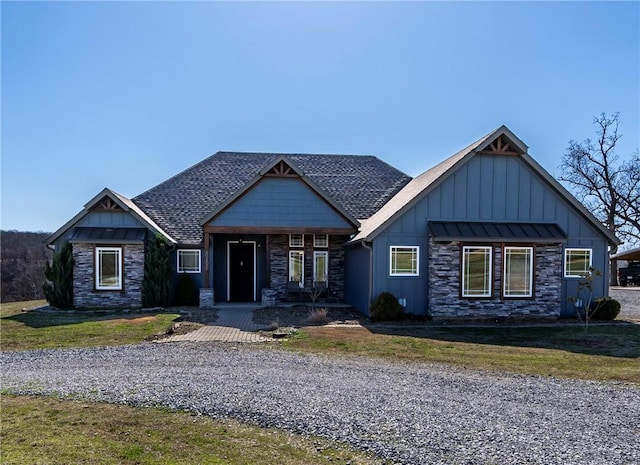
{"x":610,"y":189}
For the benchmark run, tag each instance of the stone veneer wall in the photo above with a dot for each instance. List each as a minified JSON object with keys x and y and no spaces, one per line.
{"x":84,"y":293}
{"x":279,"y":265}
{"x":444,"y":286}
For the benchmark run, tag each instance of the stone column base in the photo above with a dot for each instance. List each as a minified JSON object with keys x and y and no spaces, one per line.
{"x":207,"y":297}
{"x":269,"y":297}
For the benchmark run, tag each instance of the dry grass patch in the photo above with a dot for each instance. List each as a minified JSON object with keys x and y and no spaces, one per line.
{"x":610,"y":353}
{"x":42,"y":330}
{"x":50,"y":431}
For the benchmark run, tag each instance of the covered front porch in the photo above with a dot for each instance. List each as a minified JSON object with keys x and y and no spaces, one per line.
{"x":273,"y":267}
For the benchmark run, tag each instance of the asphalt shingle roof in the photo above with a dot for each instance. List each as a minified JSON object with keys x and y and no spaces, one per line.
{"x":360,"y":184}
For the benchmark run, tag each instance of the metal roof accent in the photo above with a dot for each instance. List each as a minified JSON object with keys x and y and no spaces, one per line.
{"x":632,"y":254}
{"x":496,"y":232}
{"x":108,"y":235}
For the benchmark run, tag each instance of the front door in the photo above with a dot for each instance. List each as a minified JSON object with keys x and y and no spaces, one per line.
{"x":242,"y":265}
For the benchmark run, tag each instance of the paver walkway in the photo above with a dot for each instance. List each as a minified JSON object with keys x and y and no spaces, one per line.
{"x":233,"y":325}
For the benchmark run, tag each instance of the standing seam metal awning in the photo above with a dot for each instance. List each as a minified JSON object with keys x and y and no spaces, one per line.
{"x":496,"y":232}
{"x":108,"y":235}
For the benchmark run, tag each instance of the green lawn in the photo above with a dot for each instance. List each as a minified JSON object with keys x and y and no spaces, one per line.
{"x":47,"y":431}
{"x":37,"y":330}
{"x":608,"y":353}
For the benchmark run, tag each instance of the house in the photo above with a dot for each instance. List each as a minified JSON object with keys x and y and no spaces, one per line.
{"x":486,"y":233}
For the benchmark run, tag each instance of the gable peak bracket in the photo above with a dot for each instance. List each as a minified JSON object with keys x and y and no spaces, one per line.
{"x":501,"y":146}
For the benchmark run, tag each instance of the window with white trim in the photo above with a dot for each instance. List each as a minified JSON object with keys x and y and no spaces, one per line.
{"x":403,"y":260}
{"x":108,"y":268}
{"x":476,"y":271}
{"x":296,"y":266}
{"x":320,"y":266}
{"x":321,"y":241}
{"x":188,"y":261}
{"x":517,"y":276}
{"x":296,"y":240}
{"x":576,"y":262}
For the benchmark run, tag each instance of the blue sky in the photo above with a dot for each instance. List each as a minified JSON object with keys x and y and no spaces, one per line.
{"x":125,"y":95}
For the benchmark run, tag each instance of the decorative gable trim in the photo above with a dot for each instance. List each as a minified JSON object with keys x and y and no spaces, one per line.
{"x":282,"y":169}
{"x":502,"y":142}
{"x":107,"y":204}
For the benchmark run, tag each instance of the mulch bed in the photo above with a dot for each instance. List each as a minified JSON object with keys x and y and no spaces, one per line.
{"x":297,"y":316}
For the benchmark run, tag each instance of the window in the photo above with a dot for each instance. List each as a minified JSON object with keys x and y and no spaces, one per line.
{"x":320,"y":266}
{"x":518,"y":272}
{"x":188,"y":261}
{"x":404,"y":261}
{"x":296,"y":266}
{"x":321,"y":241}
{"x":576,"y":262}
{"x":109,"y":268}
{"x":296,"y":240}
{"x":476,"y":271}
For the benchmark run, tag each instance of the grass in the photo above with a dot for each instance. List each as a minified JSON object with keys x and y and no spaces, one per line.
{"x":51,"y":431}
{"x":37,"y":330}
{"x":606,"y":353}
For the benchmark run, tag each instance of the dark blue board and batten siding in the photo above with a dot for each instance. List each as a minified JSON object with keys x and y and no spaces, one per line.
{"x":281,"y":202}
{"x":486,"y":188}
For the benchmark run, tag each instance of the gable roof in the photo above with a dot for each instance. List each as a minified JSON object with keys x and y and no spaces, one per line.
{"x":427,"y":181}
{"x":122,"y":202}
{"x":355,"y":184}
{"x":293,"y":170}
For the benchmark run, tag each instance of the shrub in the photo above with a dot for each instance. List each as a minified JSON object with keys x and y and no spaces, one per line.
{"x":385,"y":307}
{"x":607,"y":309}
{"x":59,"y":289}
{"x":317,"y":316}
{"x":186,"y":291}
{"x":156,"y":284}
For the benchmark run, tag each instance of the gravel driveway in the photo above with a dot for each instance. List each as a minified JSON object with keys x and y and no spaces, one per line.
{"x":413,"y":414}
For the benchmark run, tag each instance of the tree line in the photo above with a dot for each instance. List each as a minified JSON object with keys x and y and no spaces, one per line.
{"x":23,"y":256}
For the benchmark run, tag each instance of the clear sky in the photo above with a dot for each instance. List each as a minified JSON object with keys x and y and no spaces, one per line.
{"x":125,"y":95}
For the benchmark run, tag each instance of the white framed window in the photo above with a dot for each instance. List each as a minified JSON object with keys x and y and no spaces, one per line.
{"x":188,"y":261}
{"x":296,"y":266}
{"x":403,"y":260}
{"x":576,"y":262}
{"x":321,"y":241}
{"x":476,"y":271}
{"x":296,"y":240}
{"x":108,"y":268}
{"x":320,"y":266}
{"x":517,"y":279}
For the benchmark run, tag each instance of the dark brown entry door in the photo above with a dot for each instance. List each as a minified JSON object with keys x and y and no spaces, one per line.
{"x":241,"y":271}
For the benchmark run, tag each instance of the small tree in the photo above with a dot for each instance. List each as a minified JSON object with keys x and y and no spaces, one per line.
{"x":158,"y":276}
{"x":58,"y":290}
{"x":586,"y":306}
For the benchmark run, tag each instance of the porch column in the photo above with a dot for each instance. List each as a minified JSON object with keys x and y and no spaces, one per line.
{"x":207,"y":237}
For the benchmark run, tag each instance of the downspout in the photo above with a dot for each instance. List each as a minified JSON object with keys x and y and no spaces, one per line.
{"x":370,"y":290}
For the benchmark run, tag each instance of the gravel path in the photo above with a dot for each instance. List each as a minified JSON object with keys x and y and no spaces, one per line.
{"x":407,"y":413}
{"x":629,"y":298}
